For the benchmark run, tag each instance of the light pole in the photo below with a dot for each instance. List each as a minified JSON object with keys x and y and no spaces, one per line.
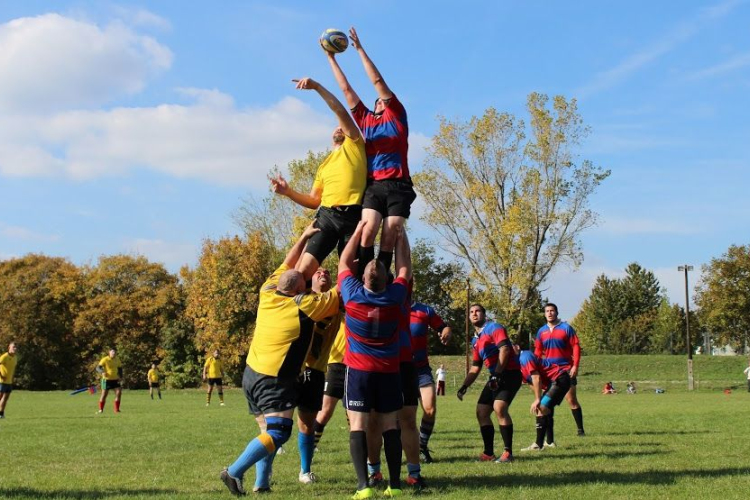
{"x":687,"y":268}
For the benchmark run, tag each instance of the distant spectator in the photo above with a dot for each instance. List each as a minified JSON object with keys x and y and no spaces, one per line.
{"x":440,"y":373}
{"x":747,"y":372}
{"x":631,"y":388}
{"x":609,"y":388}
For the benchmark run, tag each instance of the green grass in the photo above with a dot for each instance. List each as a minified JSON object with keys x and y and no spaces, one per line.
{"x":673,"y":445}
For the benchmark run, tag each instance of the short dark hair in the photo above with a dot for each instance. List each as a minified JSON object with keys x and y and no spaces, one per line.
{"x":550,"y":304}
{"x":480,"y":306}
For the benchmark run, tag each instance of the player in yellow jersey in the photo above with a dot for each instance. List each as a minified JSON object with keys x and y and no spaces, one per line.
{"x":313,"y":380}
{"x":7,"y":372}
{"x":338,"y":187}
{"x":153,"y":381}
{"x":213,"y":371}
{"x":287,"y":314}
{"x":110,"y":369}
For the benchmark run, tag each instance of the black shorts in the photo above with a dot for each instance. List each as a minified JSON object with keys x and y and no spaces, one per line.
{"x":573,"y":381}
{"x":367,"y":391}
{"x":110,"y":384}
{"x":409,"y":383}
{"x":310,"y":390}
{"x":6,"y":388}
{"x":336,"y":226}
{"x":215,"y":381}
{"x":506,"y":390}
{"x":390,"y":197}
{"x":335,"y":380}
{"x":557,"y":390}
{"x":153,"y":385}
{"x":266,"y":394}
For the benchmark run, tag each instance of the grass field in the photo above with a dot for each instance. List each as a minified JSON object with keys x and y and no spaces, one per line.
{"x":672,"y":445}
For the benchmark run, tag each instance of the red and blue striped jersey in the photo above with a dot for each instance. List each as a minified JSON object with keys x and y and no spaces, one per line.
{"x":530,"y":364}
{"x":486,"y":347}
{"x":558,"y":346}
{"x":423,"y":317}
{"x":386,"y":140}
{"x":372,"y":321}
{"x":404,"y":338}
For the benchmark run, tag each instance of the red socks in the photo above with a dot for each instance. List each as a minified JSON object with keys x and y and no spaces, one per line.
{"x":117,"y":406}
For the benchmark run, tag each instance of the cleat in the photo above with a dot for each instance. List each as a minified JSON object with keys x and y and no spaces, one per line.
{"x":425,"y":454}
{"x":392,"y":492}
{"x":483,"y":457}
{"x":221,"y":404}
{"x":505,"y":458}
{"x":550,"y":445}
{"x":280,"y":451}
{"x":418,"y":483}
{"x":533,"y":447}
{"x":99,"y":412}
{"x":262,"y":489}
{"x":362,"y":494}
{"x":232,"y":483}
{"x":307,"y":477}
{"x":374,"y":480}
{"x":208,"y":404}
{"x":581,"y":433}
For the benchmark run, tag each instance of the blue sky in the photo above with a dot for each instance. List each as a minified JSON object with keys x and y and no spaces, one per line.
{"x":139,"y":127}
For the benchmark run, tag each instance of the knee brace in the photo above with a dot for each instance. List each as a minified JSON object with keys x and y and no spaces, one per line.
{"x":280,"y":429}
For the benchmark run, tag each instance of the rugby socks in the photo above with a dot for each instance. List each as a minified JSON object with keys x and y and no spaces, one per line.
{"x":386,"y":258}
{"x":263,"y":470}
{"x":306,"y":446}
{"x":159,"y":393}
{"x":101,"y":405}
{"x":414,"y":470}
{"x":152,"y":395}
{"x":373,"y":468}
{"x":358,"y":451}
{"x":578,"y":416}
{"x":393,"y":450}
{"x":506,"y":431}
{"x":318,"y":429}
{"x":208,"y":399}
{"x":258,"y":449}
{"x":366,"y":254}
{"x":221,"y":396}
{"x":117,"y":406}
{"x":425,"y":431}
{"x":541,"y":430}
{"x":550,"y":428}
{"x":488,"y":436}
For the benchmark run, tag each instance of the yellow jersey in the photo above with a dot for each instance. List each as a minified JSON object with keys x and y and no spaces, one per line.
{"x":153,"y":375}
{"x":324,"y":334}
{"x":7,"y":368}
{"x":284,"y":328}
{"x":338,"y":349}
{"x":111,"y":367}
{"x":343,"y":175}
{"x":214,"y":367}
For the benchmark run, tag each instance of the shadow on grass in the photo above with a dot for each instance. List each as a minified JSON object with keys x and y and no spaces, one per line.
{"x":652,"y":477}
{"x":658,"y":433}
{"x":81,"y":494}
{"x":557,"y":455}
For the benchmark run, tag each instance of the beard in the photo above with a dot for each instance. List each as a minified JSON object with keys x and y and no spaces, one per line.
{"x":338,"y":139}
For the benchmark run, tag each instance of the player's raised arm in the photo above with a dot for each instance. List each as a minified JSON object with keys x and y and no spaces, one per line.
{"x":345,"y":120}
{"x":352,"y":99}
{"x":384,"y":92}
{"x":296,"y":251}
{"x":403,"y":256}
{"x":346,"y":261}
{"x":279,"y":185}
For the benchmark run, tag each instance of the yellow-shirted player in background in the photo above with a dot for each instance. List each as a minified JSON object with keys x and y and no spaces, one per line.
{"x":213,"y":371}
{"x":110,"y":368}
{"x":333,"y":390}
{"x":153,"y":381}
{"x":7,"y":372}
{"x":287,"y":314}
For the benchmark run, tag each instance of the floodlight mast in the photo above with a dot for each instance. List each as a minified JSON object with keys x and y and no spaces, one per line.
{"x":685,"y":268}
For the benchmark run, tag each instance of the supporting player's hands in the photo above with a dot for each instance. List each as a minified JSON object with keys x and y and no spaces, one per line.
{"x":354,"y":38}
{"x":461,"y":392}
{"x":494,"y":382}
{"x":573,"y":372}
{"x":310,"y":230}
{"x":445,"y":336}
{"x":535,"y":407}
{"x":306,"y":83}
{"x":279,"y":185}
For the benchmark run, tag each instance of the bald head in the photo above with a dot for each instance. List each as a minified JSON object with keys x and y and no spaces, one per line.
{"x":291,"y":282}
{"x":374,"y":276}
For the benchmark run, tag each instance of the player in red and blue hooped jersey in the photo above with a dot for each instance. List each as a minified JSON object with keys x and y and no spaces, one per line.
{"x":557,"y":346}
{"x":389,"y":193}
{"x":492,"y":347}
{"x":374,"y":312}
{"x":422,"y":318}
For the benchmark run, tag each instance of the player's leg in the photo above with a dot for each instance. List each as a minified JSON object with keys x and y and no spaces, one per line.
{"x":393,"y":449}
{"x":399,"y":197}
{"x":357,"y":402}
{"x":511,"y":382}
{"x":209,"y":390}
{"x":103,"y":397}
{"x":158,"y":390}
{"x":4,"y":396}
{"x":372,"y":219}
{"x":407,"y":419}
{"x":487,"y":431}
{"x":151,"y":391}
{"x":428,"y":400}
{"x":320,"y":244}
{"x":118,"y":395}
{"x":333,"y":392}
{"x":392,"y":226}
{"x":220,"y":385}
{"x":374,"y":447}
{"x":310,"y":403}
{"x":575,"y":406}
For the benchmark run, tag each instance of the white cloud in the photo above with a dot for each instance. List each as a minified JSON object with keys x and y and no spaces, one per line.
{"x":172,"y":254}
{"x":51,"y":62}
{"x":734,"y":63}
{"x":208,"y":139}
{"x":138,"y":16}
{"x":19,"y":233}
{"x":632,"y":225}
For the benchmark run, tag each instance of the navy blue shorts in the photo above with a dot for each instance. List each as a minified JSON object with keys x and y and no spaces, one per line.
{"x":367,"y":391}
{"x":424,"y":376}
{"x":6,"y":388}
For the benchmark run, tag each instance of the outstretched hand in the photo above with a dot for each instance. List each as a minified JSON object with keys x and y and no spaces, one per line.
{"x":279,"y":185}
{"x":354,"y":38}
{"x":306,"y":83}
{"x":310,"y":230}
